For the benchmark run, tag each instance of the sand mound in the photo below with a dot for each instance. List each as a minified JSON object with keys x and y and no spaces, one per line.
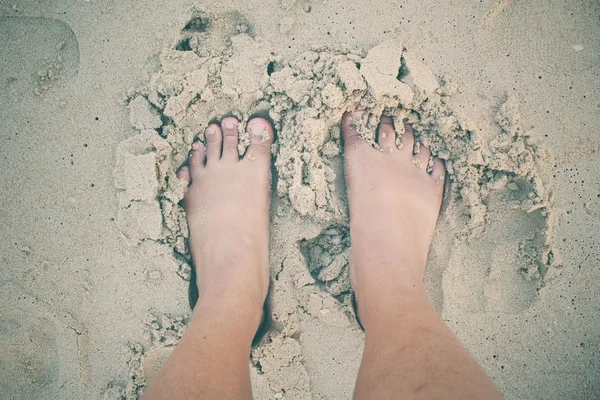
{"x":219,"y":67}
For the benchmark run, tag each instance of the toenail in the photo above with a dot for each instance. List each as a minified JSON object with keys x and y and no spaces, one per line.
{"x":195,"y":146}
{"x":258,"y":130}
{"x":228,"y":124}
{"x":211,"y":130}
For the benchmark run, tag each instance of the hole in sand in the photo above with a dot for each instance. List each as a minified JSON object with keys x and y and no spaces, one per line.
{"x":403,"y":70}
{"x":271,"y":68}
{"x":184,"y":45}
{"x":197,"y":24}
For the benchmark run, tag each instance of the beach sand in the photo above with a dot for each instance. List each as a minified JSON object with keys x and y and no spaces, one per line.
{"x":100,"y":102}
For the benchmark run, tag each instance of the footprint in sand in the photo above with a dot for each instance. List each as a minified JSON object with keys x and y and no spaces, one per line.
{"x":37,"y":54}
{"x":518,"y":259}
{"x":212,"y":32}
{"x":512,"y":256}
{"x":39,"y":354}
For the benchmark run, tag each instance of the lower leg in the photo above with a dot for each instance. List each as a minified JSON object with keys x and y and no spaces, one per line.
{"x":227,"y":209}
{"x":410,"y":353}
{"x":212,"y":358}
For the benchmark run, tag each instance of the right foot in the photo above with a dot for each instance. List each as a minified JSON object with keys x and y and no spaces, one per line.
{"x":394,"y":206}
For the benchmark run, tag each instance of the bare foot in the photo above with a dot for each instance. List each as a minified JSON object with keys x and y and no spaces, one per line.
{"x":227,"y":207}
{"x":394,"y":206}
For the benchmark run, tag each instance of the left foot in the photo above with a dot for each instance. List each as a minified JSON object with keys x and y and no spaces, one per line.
{"x":394,"y":205}
{"x":227,"y":207}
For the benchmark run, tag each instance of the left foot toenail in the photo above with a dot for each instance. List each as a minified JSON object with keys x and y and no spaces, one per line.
{"x":258,"y":130}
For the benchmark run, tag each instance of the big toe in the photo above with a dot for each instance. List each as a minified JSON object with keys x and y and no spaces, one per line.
{"x":261,"y":139}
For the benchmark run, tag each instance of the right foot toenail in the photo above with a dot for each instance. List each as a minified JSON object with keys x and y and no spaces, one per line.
{"x":211,"y":130}
{"x":228,"y":124}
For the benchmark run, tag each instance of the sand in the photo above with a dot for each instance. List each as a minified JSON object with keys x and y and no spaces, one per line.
{"x":101,"y":102}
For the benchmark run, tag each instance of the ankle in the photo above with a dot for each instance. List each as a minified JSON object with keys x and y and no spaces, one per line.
{"x":232,"y":295}
{"x":378,"y":306}
{"x":229,"y":316}
{"x":380,"y":279}
{"x":245,"y":283}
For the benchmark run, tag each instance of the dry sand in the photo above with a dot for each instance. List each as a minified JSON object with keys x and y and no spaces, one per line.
{"x":100,"y":102}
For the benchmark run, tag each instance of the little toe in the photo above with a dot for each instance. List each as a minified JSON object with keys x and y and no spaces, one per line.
{"x":184,"y":174}
{"x":196,"y":159}
{"x":408,"y":140}
{"x":214,"y":143}
{"x":438,"y":170}
{"x":229,"y":127}
{"x":387,"y":134}
{"x":421,"y":158}
{"x":261,"y":139}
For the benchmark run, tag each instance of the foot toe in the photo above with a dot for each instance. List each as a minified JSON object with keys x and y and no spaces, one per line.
{"x":229,"y":126}
{"x":184,"y":174}
{"x":214,"y":143}
{"x":387,"y":134}
{"x":408,"y":139}
{"x":438,"y":170}
{"x":350,"y":128}
{"x":422,"y":157}
{"x":261,"y":139}
{"x":196,"y":159}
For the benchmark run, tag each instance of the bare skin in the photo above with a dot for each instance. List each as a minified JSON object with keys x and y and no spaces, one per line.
{"x":227,"y":207}
{"x":394,"y":205}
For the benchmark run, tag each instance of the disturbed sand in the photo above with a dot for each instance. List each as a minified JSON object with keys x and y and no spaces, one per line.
{"x":101,"y":103}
